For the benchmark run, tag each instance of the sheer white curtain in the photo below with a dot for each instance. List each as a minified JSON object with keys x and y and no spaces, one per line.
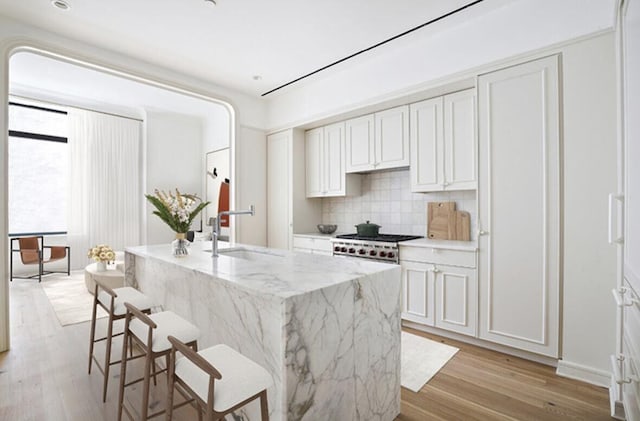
{"x":104,"y":188}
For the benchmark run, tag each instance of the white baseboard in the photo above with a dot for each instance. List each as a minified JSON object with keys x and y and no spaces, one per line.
{"x":583,"y":373}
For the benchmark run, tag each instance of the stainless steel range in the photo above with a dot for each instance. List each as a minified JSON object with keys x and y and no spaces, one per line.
{"x":383,"y":247}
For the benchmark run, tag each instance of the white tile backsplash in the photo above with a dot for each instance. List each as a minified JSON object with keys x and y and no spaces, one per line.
{"x":387,"y":200}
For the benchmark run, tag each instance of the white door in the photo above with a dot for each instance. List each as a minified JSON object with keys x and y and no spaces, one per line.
{"x":392,"y":138}
{"x":456,"y":299}
{"x":460,"y":140}
{"x":418,"y":298}
{"x":334,"y":160}
{"x":518,"y":196}
{"x":313,"y":159}
{"x":278,"y":190}
{"x":359,"y":136}
{"x":427,"y":145}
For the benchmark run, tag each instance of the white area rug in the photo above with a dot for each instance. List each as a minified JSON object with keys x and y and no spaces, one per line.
{"x":421,"y":359}
{"x":69,"y":297}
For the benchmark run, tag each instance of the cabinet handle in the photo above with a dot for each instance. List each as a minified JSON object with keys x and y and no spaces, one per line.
{"x":617,"y":373}
{"x":481,"y":232}
{"x":612,"y":197}
{"x":445,"y":184}
{"x":618,"y":296}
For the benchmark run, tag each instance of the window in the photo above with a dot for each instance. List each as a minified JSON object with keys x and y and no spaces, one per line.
{"x":38,"y":170}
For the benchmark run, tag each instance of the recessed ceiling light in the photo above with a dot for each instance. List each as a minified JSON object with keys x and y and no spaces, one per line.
{"x":257,"y":77}
{"x":213,"y":2}
{"x":61,"y":4}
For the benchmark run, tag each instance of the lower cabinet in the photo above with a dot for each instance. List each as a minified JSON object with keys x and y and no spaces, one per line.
{"x":315,"y":245}
{"x":439,"y":295}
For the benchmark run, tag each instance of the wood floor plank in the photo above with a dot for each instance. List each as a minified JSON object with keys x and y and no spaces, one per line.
{"x":44,"y":377}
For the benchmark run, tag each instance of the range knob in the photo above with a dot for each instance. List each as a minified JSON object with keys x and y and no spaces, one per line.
{"x":343,"y":249}
{"x":352,"y":250}
{"x":336,"y":248}
{"x":390,"y":254}
{"x":362,"y":251}
{"x":383,"y":254}
{"x":372,"y":253}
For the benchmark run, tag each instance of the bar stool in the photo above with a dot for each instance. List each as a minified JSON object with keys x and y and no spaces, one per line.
{"x":112,"y":301}
{"x":150,"y":333}
{"x":219,"y":379}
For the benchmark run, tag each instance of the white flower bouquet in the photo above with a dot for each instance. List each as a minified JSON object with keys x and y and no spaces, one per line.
{"x":102,"y":253}
{"x":176,"y":210}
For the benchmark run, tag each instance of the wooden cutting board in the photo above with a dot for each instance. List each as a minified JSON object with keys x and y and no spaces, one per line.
{"x":438,"y":216}
{"x":460,"y":226}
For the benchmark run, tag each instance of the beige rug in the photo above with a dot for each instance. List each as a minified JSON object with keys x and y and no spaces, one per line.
{"x":421,"y":359}
{"x":69,"y":297}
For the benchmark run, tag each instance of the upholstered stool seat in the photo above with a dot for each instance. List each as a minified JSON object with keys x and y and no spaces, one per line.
{"x":150,"y":333}
{"x":112,"y":301}
{"x":124,"y":295}
{"x":219,"y":378}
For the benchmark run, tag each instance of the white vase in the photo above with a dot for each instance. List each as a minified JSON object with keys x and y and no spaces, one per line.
{"x":101,"y":266}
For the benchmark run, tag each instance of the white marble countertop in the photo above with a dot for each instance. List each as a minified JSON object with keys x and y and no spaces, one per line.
{"x":317,"y":235}
{"x":268,"y":271}
{"x":441,"y":244}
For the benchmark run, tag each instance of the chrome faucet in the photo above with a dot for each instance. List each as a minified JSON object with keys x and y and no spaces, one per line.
{"x":216,"y":227}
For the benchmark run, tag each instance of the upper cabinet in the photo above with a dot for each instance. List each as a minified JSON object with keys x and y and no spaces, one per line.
{"x":443,"y":143}
{"x":325,"y":163}
{"x":378,"y":141}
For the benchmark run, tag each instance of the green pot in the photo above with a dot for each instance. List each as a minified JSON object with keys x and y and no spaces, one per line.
{"x":368,"y":230}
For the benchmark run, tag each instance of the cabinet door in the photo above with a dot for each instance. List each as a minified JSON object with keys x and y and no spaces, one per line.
{"x":334,"y":160}
{"x":392,"y":138}
{"x":518,"y":199}
{"x":460,"y":141}
{"x":359,"y":144}
{"x":418,"y":296}
{"x":279,"y":215}
{"x":313,"y":159}
{"x":456,"y":299}
{"x":427,"y":145}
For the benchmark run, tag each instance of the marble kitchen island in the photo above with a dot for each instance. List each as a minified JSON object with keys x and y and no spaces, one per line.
{"x":326,"y":328}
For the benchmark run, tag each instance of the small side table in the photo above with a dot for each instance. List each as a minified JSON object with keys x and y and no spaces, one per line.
{"x":113,"y":277}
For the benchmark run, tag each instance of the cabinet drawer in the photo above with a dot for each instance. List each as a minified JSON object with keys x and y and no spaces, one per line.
{"x":438,"y":256}
{"x":319,"y":244}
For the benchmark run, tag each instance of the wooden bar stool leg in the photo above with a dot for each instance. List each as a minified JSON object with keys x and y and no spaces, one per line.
{"x":123,"y":369}
{"x":92,"y":335}
{"x":147,"y":379}
{"x":107,"y":359}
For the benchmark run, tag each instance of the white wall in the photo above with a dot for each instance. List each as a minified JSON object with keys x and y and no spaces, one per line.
{"x":420,"y":59}
{"x":174,"y":160}
{"x":251,"y":178}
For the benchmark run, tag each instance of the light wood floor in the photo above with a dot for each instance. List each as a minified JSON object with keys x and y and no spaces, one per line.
{"x":44,"y":377}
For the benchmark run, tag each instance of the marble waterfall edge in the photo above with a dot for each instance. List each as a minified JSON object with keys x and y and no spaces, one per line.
{"x":327,"y":329}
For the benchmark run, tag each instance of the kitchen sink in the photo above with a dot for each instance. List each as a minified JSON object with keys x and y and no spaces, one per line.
{"x":251,"y":255}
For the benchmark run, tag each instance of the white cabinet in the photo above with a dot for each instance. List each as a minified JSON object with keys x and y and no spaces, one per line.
{"x":360,"y":149}
{"x":378,"y":141}
{"x":443,"y":143}
{"x":440,"y":295}
{"x":325,"y":163}
{"x":519,"y":206}
{"x":288,"y":209}
{"x":314,"y":245}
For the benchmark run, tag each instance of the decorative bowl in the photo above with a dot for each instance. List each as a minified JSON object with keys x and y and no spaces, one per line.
{"x":327,"y":228}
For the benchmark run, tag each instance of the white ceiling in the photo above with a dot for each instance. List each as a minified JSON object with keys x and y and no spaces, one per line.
{"x":230,"y":43}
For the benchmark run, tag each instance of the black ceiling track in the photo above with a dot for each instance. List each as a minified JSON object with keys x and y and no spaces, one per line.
{"x":466,"y":6}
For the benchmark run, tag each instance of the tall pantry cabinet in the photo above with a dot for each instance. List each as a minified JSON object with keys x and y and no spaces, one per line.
{"x":519,"y":206}
{"x":288,"y":209}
